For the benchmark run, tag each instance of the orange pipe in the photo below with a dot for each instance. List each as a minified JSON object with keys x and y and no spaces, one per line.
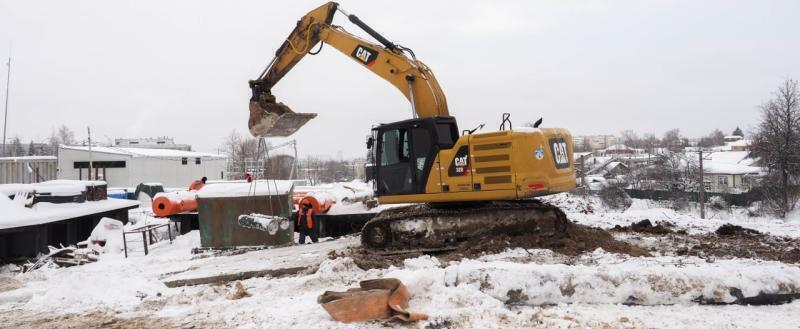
{"x":164,"y":206}
{"x":297,"y":197}
{"x":320,"y":202}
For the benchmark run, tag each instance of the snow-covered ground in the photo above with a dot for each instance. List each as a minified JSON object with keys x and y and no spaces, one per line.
{"x":688,"y":219}
{"x":516,"y":288}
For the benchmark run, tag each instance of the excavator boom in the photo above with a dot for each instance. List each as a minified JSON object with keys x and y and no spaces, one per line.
{"x":387,"y":60}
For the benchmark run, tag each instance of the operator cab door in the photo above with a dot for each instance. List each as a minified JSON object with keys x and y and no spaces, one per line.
{"x":406,"y":152}
{"x":405,"y":156}
{"x":394,"y":162}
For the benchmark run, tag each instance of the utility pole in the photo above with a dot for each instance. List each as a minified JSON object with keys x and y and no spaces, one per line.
{"x":89,"y":131}
{"x":583,"y":177}
{"x":8,"y":81}
{"x":702,"y":188}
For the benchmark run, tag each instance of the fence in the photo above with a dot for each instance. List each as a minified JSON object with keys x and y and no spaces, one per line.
{"x":30,"y":169}
{"x":742,"y":200}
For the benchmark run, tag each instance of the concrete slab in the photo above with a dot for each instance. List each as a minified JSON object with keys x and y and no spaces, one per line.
{"x":271,"y":262}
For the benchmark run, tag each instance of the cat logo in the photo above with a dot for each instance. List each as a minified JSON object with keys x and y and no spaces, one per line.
{"x":365,"y":55}
{"x":560,"y":153}
{"x":460,"y":165}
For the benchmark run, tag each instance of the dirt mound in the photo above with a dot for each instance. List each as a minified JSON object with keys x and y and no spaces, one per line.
{"x":645,"y":226}
{"x":579,"y":239}
{"x":729,"y":229}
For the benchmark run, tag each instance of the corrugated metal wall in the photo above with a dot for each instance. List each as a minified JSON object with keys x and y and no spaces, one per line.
{"x":15,"y":170}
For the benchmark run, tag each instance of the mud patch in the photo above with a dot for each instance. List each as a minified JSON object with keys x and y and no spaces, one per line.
{"x":729,"y":241}
{"x":8,"y":284}
{"x":97,"y":319}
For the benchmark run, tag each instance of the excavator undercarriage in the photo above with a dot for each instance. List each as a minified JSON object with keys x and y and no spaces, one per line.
{"x":435,"y":227}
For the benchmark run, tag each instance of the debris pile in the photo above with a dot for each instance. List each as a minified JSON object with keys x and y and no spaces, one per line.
{"x":65,"y":257}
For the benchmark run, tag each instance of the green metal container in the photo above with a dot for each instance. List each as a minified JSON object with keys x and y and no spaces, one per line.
{"x":219,"y":220}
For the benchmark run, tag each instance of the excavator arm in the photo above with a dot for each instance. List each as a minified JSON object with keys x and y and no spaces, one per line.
{"x":393,"y":63}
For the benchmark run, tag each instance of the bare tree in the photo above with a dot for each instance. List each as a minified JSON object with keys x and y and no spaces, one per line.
{"x":676,"y":171}
{"x":52,"y":143}
{"x":32,"y":149}
{"x":16,"y":147}
{"x":672,"y":139}
{"x":777,"y":143}
{"x":630,"y":139}
{"x":715,"y":138}
{"x":650,"y":142}
{"x":65,"y":135}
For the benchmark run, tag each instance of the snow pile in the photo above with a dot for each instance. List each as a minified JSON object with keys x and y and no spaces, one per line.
{"x":257,"y":187}
{"x":603,"y":279}
{"x":592,"y":212}
{"x":109,"y":231}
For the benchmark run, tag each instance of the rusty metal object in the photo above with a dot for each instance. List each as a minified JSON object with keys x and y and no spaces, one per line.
{"x":219,"y":226}
{"x":427,"y":227}
{"x":269,"y":118}
{"x":378,"y":299}
{"x":147,"y":236}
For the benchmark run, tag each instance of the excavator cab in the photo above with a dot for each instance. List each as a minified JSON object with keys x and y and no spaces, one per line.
{"x":404,"y":153}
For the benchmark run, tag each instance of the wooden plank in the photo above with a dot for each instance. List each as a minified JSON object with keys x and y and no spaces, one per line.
{"x":228,"y":277}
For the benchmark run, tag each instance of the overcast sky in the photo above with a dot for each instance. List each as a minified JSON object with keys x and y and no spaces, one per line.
{"x":180,"y":68}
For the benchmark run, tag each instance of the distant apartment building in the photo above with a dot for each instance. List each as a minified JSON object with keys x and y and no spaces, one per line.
{"x":152,"y":143}
{"x":593,"y":142}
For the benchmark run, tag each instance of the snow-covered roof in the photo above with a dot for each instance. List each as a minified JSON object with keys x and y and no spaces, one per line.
{"x":145,"y":152}
{"x":729,"y":169}
{"x":243,"y":189}
{"x":732,"y":163}
{"x":16,"y":215}
{"x":741,"y":142}
{"x":29,"y":158}
{"x":618,"y":147}
{"x":54,"y":187}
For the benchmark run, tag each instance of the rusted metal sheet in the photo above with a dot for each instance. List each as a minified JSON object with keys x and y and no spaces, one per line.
{"x":219,"y":226}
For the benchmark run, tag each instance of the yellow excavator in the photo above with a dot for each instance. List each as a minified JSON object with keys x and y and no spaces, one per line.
{"x":462,"y":184}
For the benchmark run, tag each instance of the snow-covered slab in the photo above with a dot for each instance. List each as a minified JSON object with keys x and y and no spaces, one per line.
{"x":14,"y":215}
{"x":271,"y":262}
{"x":257,"y":187}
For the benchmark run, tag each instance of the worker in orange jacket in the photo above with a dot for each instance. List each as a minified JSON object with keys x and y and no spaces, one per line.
{"x":305,"y":223}
{"x":197,"y":184}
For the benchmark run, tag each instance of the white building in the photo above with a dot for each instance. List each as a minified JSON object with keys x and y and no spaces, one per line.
{"x":593,"y":142}
{"x":730,"y":172}
{"x":127,"y":167}
{"x":152,"y":143}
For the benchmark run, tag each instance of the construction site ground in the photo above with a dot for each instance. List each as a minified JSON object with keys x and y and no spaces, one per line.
{"x":645,"y":267}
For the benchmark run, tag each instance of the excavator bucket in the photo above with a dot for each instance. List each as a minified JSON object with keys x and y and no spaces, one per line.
{"x":271,"y":119}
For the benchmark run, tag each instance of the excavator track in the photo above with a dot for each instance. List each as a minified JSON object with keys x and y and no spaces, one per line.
{"x":438,"y":227}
